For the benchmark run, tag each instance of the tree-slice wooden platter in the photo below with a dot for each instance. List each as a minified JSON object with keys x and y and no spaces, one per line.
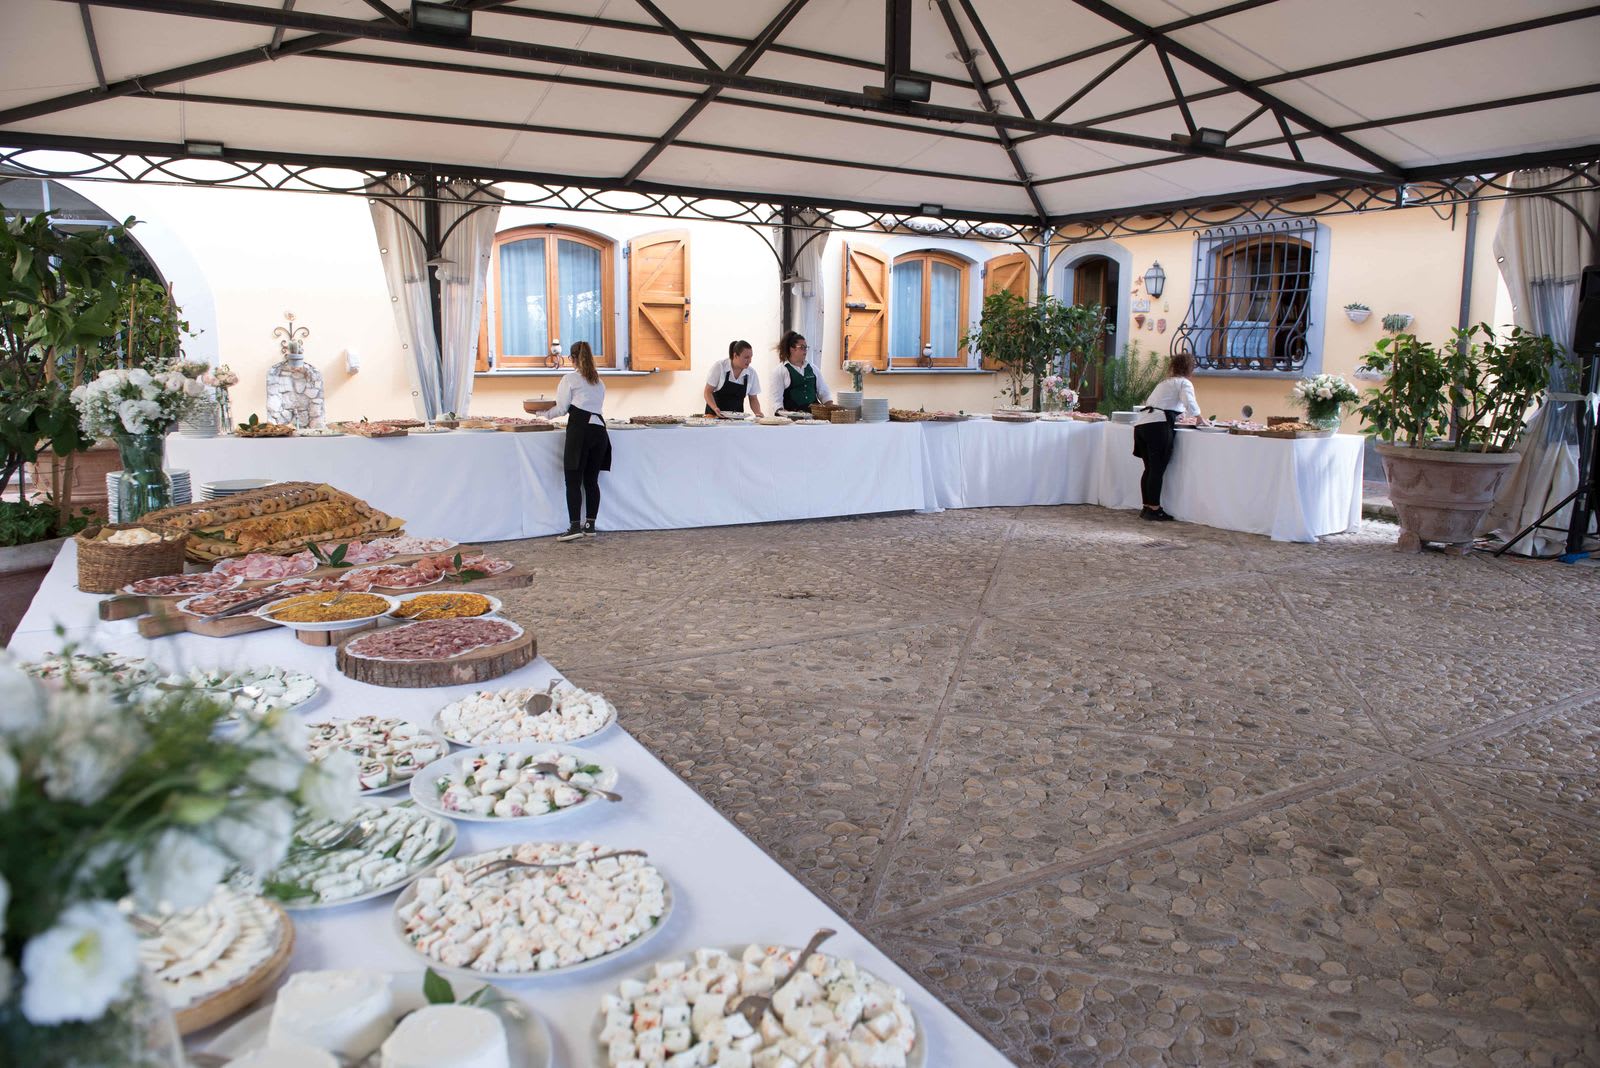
{"x":480,"y":665}
{"x":248,"y":990}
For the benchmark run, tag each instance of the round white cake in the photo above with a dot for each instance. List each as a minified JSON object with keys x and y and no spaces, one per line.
{"x":347,"y":1013}
{"x":447,"y":1036}
{"x":290,"y":1055}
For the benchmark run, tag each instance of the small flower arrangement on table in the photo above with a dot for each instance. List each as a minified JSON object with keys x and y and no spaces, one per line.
{"x":1057,"y":395}
{"x":1323,"y":396}
{"x":116,"y":794}
{"x":123,"y":402}
{"x":857,"y":370}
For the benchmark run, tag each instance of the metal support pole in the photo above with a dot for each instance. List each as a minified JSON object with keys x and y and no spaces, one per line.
{"x":786,"y":257}
{"x":1468,"y":258}
{"x":433,"y":246}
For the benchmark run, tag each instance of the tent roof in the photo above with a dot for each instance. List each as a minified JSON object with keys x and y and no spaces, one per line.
{"x":1040,"y":109}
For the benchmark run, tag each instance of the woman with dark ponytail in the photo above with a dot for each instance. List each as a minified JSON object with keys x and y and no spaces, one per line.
{"x":797,"y":386}
{"x":731,"y":381}
{"x":580,"y":396}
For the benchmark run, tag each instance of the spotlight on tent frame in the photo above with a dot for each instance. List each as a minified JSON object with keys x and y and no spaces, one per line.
{"x":440,"y":19}
{"x":1204,"y":139}
{"x":902,"y":89}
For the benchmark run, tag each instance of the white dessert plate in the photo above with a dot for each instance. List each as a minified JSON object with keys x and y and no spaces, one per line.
{"x":425,"y":783}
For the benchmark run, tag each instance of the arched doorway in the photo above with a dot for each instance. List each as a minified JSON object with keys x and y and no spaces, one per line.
{"x":1095,"y":280}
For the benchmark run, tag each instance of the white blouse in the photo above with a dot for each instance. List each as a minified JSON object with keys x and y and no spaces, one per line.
{"x":722,"y":370}
{"x":576,"y":392}
{"x":780,"y":382}
{"x":1170,"y":395}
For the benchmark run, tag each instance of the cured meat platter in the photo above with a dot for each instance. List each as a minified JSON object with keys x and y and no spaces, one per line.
{"x":437,"y":652}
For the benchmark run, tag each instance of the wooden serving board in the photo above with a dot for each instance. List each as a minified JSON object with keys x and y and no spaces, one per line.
{"x":525,"y":428}
{"x":480,"y":665}
{"x":230,"y":1000}
{"x":165,"y":622}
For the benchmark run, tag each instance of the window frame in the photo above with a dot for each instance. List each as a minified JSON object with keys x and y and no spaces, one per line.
{"x":491,"y":335}
{"x":924,"y":257}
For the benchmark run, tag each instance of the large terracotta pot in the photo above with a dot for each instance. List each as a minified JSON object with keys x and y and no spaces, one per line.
{"x":1440,"y":495}
{"x":89,"y":471}
{"x":22,"y":569}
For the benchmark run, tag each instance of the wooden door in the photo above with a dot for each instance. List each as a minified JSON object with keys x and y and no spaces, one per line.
{"x":1093,"y":282}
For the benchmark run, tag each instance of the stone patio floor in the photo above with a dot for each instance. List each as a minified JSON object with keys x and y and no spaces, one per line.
{"x":1126,"y":794}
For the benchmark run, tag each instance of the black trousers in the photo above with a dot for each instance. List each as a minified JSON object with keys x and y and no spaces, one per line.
{"x":583,"y":486}
{"x":1152,"y":442}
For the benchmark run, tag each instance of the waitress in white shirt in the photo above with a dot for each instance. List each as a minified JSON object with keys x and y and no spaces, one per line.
{"x":1155,"y":431}
{"x":580,"y":396}
{"x":797,"y":386}
{"x":731,"y":381}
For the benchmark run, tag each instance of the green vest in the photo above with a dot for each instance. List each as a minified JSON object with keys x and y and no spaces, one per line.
{"x":800,"y":394}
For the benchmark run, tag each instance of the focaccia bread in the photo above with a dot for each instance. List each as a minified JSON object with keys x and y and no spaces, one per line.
{"x":277,"y":519}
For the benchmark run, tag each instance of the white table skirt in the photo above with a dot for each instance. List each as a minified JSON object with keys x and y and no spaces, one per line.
{"x":726,"y":889}
{"x":499,"y":486}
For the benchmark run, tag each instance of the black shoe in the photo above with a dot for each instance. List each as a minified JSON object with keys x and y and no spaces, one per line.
{"x":588,"y":529}
{"x":1160,"y":515}
{"x":573,"y":533}
{"x":1150,"y":515}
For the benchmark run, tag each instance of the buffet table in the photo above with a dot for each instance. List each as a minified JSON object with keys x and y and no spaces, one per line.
{"x":726,"y":889}
{"x":497,"y":486}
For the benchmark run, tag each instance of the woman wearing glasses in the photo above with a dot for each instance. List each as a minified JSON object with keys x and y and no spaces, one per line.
{"x":797,"y":386}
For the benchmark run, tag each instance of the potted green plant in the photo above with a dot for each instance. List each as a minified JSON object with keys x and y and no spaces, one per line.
{"x":1396,"y":322}
{"x":1442,"y":484}
{"x":1026,"y":340}
{"x":1130,"y":377}
{"x":1357,"y":312}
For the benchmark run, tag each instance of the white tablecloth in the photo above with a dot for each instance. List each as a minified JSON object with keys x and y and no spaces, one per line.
{"x":726,"y":889}
{"x":499,"y":486}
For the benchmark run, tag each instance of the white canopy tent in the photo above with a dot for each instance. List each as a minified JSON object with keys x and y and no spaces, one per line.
{"x":1039,"y":111}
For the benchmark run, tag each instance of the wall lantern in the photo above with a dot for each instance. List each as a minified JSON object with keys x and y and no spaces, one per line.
{"x":1155,"y":279}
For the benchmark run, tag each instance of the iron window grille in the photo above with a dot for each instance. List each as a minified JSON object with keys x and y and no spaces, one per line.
{"x":1251,"y":308}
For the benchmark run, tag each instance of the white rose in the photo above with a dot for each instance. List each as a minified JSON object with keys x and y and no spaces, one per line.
{"x":257,"y":836}
{"x":132,"y":416}
{"x":75,"y":970}
{"x":329,"y":788}
{"x":177,"y":870}
{"x":278,"y":771}
{"x":21,"y":702}
{"x":194,"y":387}
{"x":139,"y":377}
{"x":94,"y":742}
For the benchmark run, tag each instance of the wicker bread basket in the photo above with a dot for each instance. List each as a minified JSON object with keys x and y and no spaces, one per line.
{"x":106,"y":568}
{"x":823,"y":410}
{"x":845,"y":415}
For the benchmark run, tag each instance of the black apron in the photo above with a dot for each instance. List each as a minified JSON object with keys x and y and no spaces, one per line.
{"x":587,"y":442}
{"x":1167,"y":432}
{"x":730,"y":397}
{"x":799,"y":396}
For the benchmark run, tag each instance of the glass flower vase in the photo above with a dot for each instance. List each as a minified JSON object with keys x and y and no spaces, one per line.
{"x":1325,"y":416}
{"x":144,"y":485}
{"x":139,"y":1031}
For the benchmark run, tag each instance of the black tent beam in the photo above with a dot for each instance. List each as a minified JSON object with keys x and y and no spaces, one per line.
{"x":94,"y":47}
{"x":388,"y":12}
{"x":341,"y":28}
{"x":1248,"y":119}
{"x":1216,"y":71}
{"x":959,"y":39}
{"x":566,"y":78}
{"x":994,"y":57}
{"x":1177,"y":91}
{"x":553,"y":131}
{"x":1094,"y":83}
{"x":740,"y":66}
{"x":277,"y":34}
{"x":689,"y":44}
{"x":598,"y":22}
{"x":1288,"y":138}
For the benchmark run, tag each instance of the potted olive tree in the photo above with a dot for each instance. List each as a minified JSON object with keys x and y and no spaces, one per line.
{"x":1443,"y":483}
{"x":1027,"y":340}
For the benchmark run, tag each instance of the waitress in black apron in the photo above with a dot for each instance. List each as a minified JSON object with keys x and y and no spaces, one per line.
{"x":1155,"y":431}
{"x":731,"y":381}
{"x":581,"y":396}
{"x":797,"y":385}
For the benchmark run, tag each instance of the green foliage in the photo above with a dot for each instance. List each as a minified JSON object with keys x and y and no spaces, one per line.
{"x":1489,"y":381}
{"x":25,"y":522}
{"x":1130,"y":377}
{"x":1028,"y":340}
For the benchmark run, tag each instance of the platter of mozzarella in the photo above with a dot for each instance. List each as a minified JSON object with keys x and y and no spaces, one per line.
{"x":405,"y":545}
{"x":378,"y":850}
{"x":532,"y":922}
{"x":510,"y":783}
{"x":53,"y":667}
{"x":322,"y":1019}
{"x":252,"y":692}
{"x":499,"y":717}
{"x":831,"y":1013}
{"x":390,"y":752}
{"x":212,"y":959}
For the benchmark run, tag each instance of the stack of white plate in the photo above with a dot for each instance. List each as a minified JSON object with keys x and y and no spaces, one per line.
{"x":215,"y":491}
{"x":874,"y":409}
{"x":180,"y":491}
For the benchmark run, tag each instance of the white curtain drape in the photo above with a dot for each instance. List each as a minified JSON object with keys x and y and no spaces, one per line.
{"x":905,"y":310}
{"x":441,"y":380}
{"x":805,"y":296}
{"x":944,"y":310}
{"x":1543,"y":248}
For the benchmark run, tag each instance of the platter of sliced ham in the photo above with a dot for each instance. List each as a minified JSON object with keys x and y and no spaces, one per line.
{"x":357,"y":553}
{"x":258,"y":567}
{"x":437,"y":652}
{"x":390,"y":577}
{"x":182,"y":585}
{"x":405,"y":545}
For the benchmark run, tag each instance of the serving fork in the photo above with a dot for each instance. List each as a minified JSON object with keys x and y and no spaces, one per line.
{"x":512,"y":864}
{"x":552,"y":769}
{"x":752,"y":1006}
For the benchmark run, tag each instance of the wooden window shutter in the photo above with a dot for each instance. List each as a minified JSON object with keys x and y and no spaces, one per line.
{"x":658,"y":299}
{"x":1013,"y":272}
{"x":864,"y":334}
{"x":482,"y":362}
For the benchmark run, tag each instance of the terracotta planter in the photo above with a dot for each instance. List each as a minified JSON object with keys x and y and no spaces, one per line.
{"x":22,"y":569}
{"x":1441,"y":496}
{"x":89,"y":471}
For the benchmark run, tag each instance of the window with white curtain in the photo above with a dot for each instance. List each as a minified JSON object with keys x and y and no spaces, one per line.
{"x":928,"y":309}
{"x":549,"y":288}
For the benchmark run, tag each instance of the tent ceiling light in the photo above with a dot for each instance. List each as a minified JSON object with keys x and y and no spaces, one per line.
{"x":440,"y":18}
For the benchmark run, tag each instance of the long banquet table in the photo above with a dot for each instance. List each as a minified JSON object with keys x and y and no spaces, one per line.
{"x":497,"y":486}
{"x":726,"y":889}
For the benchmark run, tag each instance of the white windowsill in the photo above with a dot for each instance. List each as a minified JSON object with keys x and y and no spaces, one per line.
{"x":1287,"y":375}
{"x":556,"y":372}
{"x":934,"y":371}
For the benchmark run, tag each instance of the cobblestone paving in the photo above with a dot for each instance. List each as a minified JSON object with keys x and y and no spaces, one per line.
{"x":1123,"y":795}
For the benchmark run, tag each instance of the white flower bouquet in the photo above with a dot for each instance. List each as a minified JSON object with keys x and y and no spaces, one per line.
{"x":1322,"y":390}
{"x":132,"y":401}
{"x":857,"y":370}
{"x":115,"y":794}
{"x":1056,"y":394}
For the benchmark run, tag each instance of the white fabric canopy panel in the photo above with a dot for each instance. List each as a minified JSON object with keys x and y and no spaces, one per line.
{"x":1035,"y":104}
